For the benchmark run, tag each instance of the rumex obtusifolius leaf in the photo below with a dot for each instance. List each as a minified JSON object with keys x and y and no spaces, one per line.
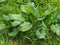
{"x":25,"y":26}
{"x":56,"y":29}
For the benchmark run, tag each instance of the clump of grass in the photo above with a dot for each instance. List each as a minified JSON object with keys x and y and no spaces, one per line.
{"x":29,"y":22}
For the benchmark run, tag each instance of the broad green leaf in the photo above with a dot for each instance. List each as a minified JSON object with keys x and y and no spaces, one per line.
{"x":58,"y":32}
{"x":13,"y":33}
{"x":29,"y":9}
{"x":25,"y":26}
{"x":2,"y":0}
{"x":56,"y":29}
{"x":5,"y":17}
{"x":40,"y":35}
{"x":16,"y":17}
{"x":23,"y":9}
{"x":53,"y":28}
{"x":42,"y":32}
{"x":15,"y":23}
{"x":31,"y":4}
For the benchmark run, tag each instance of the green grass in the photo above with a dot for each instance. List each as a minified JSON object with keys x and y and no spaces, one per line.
{"x":30,"y":22}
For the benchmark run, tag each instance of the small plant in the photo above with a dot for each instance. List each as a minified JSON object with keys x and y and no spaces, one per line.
{"x":30,"y":22}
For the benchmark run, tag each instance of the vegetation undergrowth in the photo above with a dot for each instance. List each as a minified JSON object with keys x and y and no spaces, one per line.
{"x":29,"y":22}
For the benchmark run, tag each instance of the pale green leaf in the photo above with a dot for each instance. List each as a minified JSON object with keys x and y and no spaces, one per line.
{"x":16,"y":17}
{"x":25,"y":26}
{"x":2,"y":0}
{"x":13,"y":33}
{"x":15,"y":23}
{"x":56,"y":29}
{"x":40,"y":35}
